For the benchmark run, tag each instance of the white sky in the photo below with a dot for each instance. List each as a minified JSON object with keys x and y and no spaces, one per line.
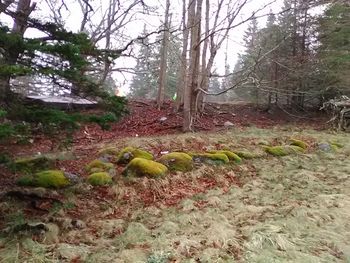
{"x":73,"y":16}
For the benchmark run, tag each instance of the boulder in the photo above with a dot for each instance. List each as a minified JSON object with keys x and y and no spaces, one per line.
{"x":140,"y":167}
{"x":177,"y":161}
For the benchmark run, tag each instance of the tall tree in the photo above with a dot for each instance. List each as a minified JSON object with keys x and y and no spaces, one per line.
{"x":334,"y":35}
{"x":163,"y":58}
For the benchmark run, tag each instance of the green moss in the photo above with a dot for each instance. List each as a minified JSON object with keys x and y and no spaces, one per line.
{"x":108,"y":151}
{"x":336,"y":145}
{"x":211,"y":158}
{"x":98,"y":179}
{"x":231,"y":155}
{"x":247,"y":155}
{"x":139,"y":167}
{"x":129,"y":153}
{"x":96,"y":166}
{"x":26,"y":180}
{"x":177,"y":161}
{"x":32,"y":164}
{"x":46,"y":179}
{"x":299,"y":143}
{"x":283,"y":150}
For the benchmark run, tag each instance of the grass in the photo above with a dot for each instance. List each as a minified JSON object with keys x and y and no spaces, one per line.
{"x":285,"y":209}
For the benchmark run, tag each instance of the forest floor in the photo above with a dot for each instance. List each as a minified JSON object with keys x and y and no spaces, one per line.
{"x":268,"y":209}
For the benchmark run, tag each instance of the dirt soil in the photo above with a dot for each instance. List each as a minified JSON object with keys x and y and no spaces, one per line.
{"x":268,"y":209}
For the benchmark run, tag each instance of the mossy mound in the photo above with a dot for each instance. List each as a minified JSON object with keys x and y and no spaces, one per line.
{"x":129,"y":153}
{"x":177,"y":161}
{"x":33,"y":164}
{"x":108,"y":151}
{"x":336,"y":145}
{"x":46,"y":179}
{"x":97,"y":166}
{"x":247,"y":155}
{"x":231,"y":155}
{"x":211,"y":158}
{"x":283,"y":150}
{"x":139,"y":167}
{"x":299,"y":143}
{"x":99,"y":179}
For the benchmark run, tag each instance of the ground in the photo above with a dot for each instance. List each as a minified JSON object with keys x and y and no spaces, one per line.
{"x":267,"y":209}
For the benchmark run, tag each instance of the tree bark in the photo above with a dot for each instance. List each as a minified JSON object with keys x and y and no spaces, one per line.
{"x":187,"y":120}
{"x":182,"y":80}
{"x":163,"y":58}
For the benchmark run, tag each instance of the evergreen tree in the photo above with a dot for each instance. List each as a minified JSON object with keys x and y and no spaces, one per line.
{"x":334,"y":35}
{"x":144,"y":82}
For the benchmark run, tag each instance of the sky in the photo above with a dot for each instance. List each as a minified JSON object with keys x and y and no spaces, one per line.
{"x":72,"y":17}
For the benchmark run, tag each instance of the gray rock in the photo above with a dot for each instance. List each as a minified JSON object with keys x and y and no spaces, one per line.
{"x":163,"y":119}
{"x":228,"y":124}
{"x":73,"y":178}
{"x":325,"y":147}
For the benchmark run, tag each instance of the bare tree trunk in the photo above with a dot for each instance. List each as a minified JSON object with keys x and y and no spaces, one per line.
{"x":163,"y":58}
{"x":187,"y":120}
{"x":182,"y":80}
{"x":197,"y":55}
{"x":203,"y":77}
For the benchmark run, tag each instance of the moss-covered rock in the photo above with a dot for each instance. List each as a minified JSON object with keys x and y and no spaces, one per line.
{"x":99,"y":179}
{"x":231,"y":155}
{"x":211,"y":158}
{"x":283,"y":150}
{"x":336,"y":145}
{"x":177,"y":161}
{"x":299,"y":143}
{"x":139,"y":167}
{"x":108,"y":151}
{"x":46,"y":179}
{"x":247,"y":155}
{"x":129,"y":153}
{"x":32,"y":164}
{"x":97,"y":166}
